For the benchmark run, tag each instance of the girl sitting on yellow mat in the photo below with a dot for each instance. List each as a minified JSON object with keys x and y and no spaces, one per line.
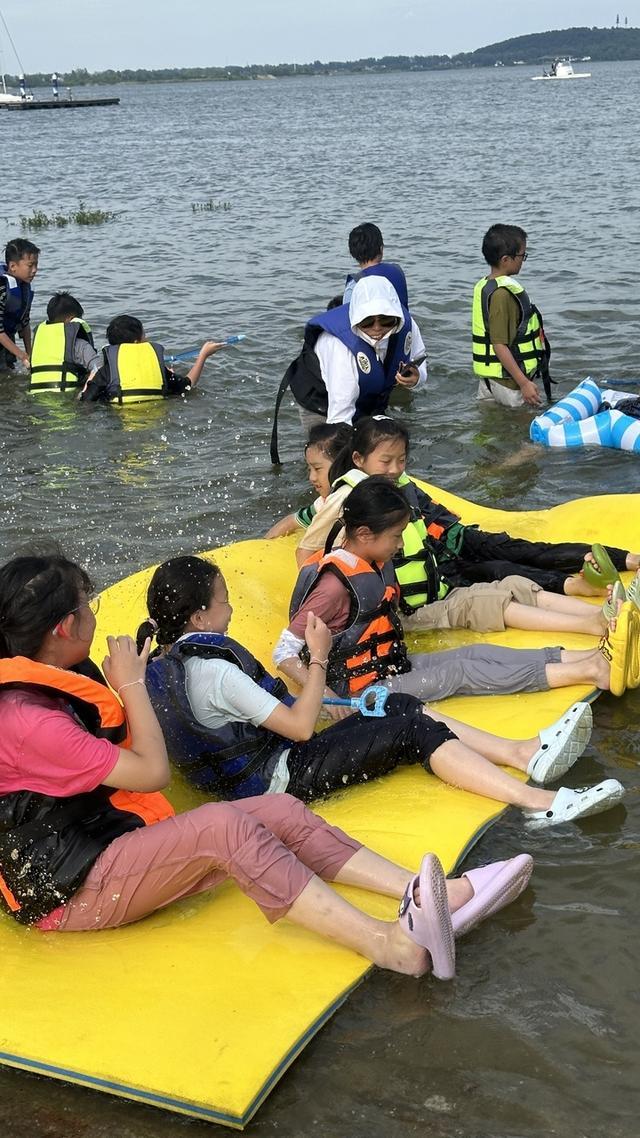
{"x":87,"y":842}
{"x":456,"y":576}
{"x":233,"y":730}
{"x":353,"y":591}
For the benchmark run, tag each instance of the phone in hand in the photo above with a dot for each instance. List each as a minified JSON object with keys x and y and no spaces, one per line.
{"x":405,"y":369}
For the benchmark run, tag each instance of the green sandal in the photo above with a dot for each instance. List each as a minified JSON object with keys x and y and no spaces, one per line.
{"x":612,"y":603}
{"x":604,"y":572}
{"x":633,"y":591}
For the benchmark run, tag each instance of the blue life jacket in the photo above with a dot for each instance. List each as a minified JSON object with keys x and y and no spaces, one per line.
{"x":376,"y":379}
{"x":393,"y":273}
{"x":233,"y":761}
{"x":18,"y":299}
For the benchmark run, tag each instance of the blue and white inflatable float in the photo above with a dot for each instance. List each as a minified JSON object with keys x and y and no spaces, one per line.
{"x":578,"y":420}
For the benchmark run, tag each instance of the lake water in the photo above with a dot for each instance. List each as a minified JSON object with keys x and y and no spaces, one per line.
{"x":539,"y":1034}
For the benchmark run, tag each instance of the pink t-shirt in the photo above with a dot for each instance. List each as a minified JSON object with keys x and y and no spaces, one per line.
{"x":44,"y":748}
{"x":330,"y":600}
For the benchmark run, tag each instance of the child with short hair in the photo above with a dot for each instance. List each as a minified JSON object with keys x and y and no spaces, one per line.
{"x":325,"y":442}
{"x":366,"y":246}
{"x":16,"y":295}
{"x":63,"y":352}
{"x":133,"y":368}
{"x":510,"y":350}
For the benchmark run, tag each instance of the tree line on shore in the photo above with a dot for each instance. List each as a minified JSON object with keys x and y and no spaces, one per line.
{"x":597,"y":43}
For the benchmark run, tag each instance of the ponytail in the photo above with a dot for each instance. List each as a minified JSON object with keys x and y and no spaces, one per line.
{"x":178,"y":588}
{"x":366,"y":435}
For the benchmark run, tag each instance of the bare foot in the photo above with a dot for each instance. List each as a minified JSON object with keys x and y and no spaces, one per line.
{"x":400,"y":954}
{"x":578,"y":587}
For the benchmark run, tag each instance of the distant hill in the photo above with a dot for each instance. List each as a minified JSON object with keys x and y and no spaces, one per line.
{"x":597,"y":43}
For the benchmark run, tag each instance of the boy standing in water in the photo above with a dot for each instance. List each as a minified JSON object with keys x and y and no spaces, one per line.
{"x":367,"y":248}
{"x":16,"y":274}
{"x":510,"y":350}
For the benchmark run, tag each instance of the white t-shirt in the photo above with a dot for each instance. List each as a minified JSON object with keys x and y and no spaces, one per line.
{"x":220,"y":693}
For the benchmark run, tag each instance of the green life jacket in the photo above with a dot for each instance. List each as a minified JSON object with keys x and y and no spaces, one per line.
{"x":416,"y":568}
{"x":52,"y":364}
{"x":530,"y":347}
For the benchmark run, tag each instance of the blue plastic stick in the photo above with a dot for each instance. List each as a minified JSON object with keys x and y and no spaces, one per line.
{"x":620,"y":382}
{"x":193,"y":353}
{"x":370,"y":702}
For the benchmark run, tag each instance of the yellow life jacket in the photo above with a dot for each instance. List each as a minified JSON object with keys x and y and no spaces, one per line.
{"x":52,"y":364}
{"x":136,"y":372}
{"x":529,"y":348}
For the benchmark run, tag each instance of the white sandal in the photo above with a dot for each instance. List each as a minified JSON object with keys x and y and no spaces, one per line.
{"x":570,"y":805}
{"x":561,"y":744}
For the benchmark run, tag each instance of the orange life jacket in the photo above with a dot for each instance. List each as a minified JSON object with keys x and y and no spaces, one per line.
{"x":372,"y":645}
{"x":48,"y":844}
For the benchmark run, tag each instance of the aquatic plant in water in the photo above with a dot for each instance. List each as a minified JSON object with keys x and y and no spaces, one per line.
{"x":213,"y":205}
{"x":80,"y":216}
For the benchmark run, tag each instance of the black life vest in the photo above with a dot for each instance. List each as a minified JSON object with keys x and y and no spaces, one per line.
{"x":49,"y":844}
{"x":233,"y":761}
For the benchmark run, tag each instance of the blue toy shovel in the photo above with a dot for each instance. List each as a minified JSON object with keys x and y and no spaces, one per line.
{"x":371,"y":702}
{"x":193,"y":353}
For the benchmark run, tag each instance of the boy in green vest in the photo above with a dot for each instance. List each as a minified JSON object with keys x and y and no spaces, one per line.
{"x":510,"y":350}
{"x":63,"y":352}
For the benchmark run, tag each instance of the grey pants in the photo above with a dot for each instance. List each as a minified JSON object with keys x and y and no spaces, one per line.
{"x":478,"y":669}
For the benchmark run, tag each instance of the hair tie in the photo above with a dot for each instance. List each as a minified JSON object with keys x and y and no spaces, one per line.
{"x":154,"y":624}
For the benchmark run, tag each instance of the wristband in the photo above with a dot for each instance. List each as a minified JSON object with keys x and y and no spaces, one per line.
{"x":131,"y":684}
{"x":321,"y":663}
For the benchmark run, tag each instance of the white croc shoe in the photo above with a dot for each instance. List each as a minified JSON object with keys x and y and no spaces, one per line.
{"x":561,"y":744}
{"x":570,"y":805}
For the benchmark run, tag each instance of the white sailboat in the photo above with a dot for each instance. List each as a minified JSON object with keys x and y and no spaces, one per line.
{"x":8,"y":96}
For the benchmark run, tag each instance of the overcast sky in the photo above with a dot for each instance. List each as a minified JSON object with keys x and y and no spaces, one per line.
{"x":97,"y":34}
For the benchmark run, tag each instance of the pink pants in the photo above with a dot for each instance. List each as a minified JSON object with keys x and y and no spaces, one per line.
{"x":271,"y":846}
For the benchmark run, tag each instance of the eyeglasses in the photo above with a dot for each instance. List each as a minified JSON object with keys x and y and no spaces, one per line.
{"x":383,"y":321}
{"x":93,"y":603}
{"x":523,"y":256}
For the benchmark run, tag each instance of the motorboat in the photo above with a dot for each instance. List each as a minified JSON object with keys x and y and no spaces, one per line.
{"x":562,"y":69}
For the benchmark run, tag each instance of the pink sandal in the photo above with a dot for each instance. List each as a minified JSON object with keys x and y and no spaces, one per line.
{"x":429,"y":923}
{"x":494,"y":886}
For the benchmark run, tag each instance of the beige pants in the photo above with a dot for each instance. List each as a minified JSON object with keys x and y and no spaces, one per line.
{"x":479,"y":607}
{"x":506,"y":396}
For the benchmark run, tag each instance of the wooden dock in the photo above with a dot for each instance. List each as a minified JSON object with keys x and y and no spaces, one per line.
{"x":57,"y":104}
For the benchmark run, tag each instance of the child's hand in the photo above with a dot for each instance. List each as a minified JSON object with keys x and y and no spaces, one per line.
{"x":123,"y":665}
{"x":283,"y":527}
{"x":318,"y":637}
{"x":209,"y":348}
{"x":530,"y":394}
{"x":336,"y":711}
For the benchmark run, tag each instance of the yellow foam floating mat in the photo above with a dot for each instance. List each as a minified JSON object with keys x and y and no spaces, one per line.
{"x":201,"y":1008}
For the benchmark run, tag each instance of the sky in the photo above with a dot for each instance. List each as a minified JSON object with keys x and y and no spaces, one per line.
{"x":100,"y":34}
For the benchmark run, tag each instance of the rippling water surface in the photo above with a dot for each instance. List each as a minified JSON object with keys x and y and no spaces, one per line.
{"x":539,"y":1033}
